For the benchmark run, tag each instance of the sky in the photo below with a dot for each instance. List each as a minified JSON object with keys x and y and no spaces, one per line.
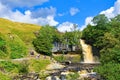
{"x":60,"y":13}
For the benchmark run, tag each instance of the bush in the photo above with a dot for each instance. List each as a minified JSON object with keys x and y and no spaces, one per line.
{"x":44,"y":40}
{"x":109,"y":71}
{"x":17,"y":48}
{"x":2,"y":54}
{"x":8,"y":66}
{"x":4,"y":77}
{"x":60,"y":58}
{"x":3,"y":45}
{"x":73,"y":76}
{"x":23,"y":67}
{"x":17,"y":51}
{"x":38,"y":65}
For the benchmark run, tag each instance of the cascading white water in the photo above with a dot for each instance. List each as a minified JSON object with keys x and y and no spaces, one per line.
{"x":87,"y":52}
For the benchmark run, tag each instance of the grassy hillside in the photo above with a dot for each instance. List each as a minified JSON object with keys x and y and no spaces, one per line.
{"x":15,"y":38}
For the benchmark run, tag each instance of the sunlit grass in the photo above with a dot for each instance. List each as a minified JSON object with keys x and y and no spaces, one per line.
{"x":18,"y":37}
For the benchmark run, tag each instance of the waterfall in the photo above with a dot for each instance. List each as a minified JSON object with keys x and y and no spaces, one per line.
{"x":87,"y":52}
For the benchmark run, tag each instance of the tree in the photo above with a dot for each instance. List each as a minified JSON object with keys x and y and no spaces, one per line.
{"x":93,"y":34}
{"x":109,"y":71}
{"x":44,"y":40}
{"x":100,"y":20}
{"x":72,"y":38}
{"x":105,"y":36}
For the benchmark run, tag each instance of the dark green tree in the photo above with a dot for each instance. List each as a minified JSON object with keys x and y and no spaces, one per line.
{"x":44,"y":40}
{"x":105,"y":36}
{"x":100,"y":20}
{"x":94,"y":34}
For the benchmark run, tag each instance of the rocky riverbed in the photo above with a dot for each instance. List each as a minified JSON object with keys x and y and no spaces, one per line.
{"x":71,"y":72}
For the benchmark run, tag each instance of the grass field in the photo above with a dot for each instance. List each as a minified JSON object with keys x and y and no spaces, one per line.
{"x":16,"y":38}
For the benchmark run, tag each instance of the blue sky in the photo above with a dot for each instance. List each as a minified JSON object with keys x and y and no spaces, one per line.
{"x":60,"y":13}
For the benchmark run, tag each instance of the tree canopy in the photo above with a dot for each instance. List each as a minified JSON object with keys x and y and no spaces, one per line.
{"x":44,"y":40}
{"x":105,"y":36}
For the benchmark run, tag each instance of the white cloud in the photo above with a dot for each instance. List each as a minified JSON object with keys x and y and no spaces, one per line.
{"x":73,"y":11}
{"x":108,"y":12}
{"x":117,"y":7}
{"x":26,"y":17}
{"x":112,"y":11}
{"x":61,"y":14}
{"x":22,"y":3}
{"x":66,"y":26}
{"x":88,"y":20}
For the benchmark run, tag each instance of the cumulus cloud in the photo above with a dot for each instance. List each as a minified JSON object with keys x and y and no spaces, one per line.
{"x":61,"y":14}
{"x":22,"y":3}
{"x":73,"y":11}
{"x":88,"y":20}
{"x":66,"y":26}
{"x":109,"y":12}
{"x":117,"y":7}
{"x":27,"y":16}
{"x":112,"y":11}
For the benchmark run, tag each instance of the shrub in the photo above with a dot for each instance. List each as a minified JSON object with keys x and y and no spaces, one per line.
{"x":23,"y":67}
{"x":38,"y":65}
{"x":8,"y":66}
{"x":109,"y":71}
{"x":17,"y":48}
{"x":4,"y":77}
{"x":73,"y":76}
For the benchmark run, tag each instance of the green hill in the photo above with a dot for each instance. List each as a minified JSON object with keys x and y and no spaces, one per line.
{"x":15,"y":38}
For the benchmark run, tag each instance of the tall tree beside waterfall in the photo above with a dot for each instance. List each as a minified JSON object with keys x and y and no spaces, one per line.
{"x":93,"y":34}
{"x":105,"y":35}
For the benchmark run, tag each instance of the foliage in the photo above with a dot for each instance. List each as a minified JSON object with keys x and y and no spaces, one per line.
{"x":38,"y":65}
{"x":100,"y":20}
{"x":72,"y":38}
{"x":60,"y":58}
{"x":17,"y":48}
{"x":2,"y":45}
{"x":14,"y":68}
{"x":8,"y":66}
{"x":15,"y":38}
{"x":72,"y":76}
{"x":23,"y":67}
{"x":4,"y":76}
{"x":44,"y":40}
{"x":22,"y":30}
{"x":109,"y":71}
{"x":105,"y":36}
{"x":63,"y":58}
{"x":13,"y":48}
